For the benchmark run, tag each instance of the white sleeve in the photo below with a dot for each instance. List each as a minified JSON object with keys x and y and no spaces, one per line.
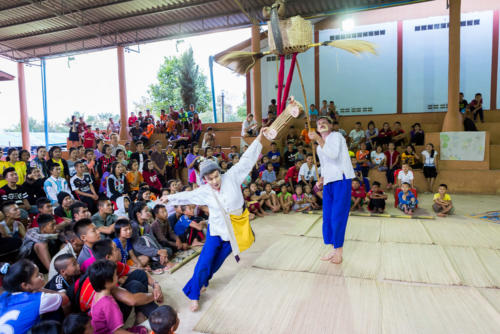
{"x":239,"y":172}
{"x":302,"y":170}
{"x":197,"y":196}
{"x":50,"y":302}
{"x":50,"y":190}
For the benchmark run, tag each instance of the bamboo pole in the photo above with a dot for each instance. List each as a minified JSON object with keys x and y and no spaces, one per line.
{"x":306,"y":106}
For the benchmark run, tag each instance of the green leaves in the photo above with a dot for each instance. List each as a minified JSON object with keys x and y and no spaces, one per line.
{"x":180,"y":83}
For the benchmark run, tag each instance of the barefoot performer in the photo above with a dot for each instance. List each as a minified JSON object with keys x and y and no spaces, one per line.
{"x":222,"y":194}
{"x":336,"y":176}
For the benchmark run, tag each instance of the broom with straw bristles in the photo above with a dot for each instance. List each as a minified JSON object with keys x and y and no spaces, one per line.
{"x":244,"y":61}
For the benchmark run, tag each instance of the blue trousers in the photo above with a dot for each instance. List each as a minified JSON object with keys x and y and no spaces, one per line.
{"x":336,"y":206}
{"x":212,"y":256}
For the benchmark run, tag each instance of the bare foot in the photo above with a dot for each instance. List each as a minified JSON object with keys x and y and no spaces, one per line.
{"x":441,"y":214}
{"x":336,"y":259}
{"x":194,"y":305}
{"x":169,"y":265}
{"x":329,"y":256}
{"x":203,"y":289}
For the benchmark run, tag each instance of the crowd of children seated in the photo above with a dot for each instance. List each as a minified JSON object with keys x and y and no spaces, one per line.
{"x":94,"y":224}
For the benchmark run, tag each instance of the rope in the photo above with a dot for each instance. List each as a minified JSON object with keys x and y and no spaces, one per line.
{"x":308,"y":117}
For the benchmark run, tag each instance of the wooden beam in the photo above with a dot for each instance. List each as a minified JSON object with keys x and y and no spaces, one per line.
{"x":494,"y":61}
{"x":399,"y":104}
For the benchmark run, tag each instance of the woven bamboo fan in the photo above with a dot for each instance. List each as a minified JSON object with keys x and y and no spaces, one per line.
{"x":292,"y":110}
{"x":296,"y":34}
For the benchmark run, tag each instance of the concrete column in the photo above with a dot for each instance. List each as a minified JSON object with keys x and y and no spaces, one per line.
{"x":316,"y":71}
{"x":453,"y":119}
{"x":25,"y":129}
{"x":122,"y":85}
{"x":257,"y":88}
{"x":249,"y":93}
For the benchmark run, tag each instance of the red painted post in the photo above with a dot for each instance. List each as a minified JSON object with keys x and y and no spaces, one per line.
{"x":122,"y":85}
{"x":25,"y":129}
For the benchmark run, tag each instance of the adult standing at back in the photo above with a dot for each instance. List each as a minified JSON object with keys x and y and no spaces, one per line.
{"x":336,"y":176}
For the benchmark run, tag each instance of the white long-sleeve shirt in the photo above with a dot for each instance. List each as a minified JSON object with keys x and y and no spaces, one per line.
{"x":53,"y":186}
{"x":334,"y":158}
{"x":229,"y":195}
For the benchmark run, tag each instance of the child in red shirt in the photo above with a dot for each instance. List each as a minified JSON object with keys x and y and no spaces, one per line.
{"x":293,"y":174}
{"x":376,"y":198}
{"x":89,"y":138}
{"x":358,"y":194}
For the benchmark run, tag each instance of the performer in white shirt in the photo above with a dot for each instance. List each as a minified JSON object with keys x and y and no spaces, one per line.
{"x":222,"y":194}
{"x":336,"y":176}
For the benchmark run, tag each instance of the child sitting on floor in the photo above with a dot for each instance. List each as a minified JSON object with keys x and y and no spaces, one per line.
{"x":163,"y":231}
{"x":310,"y":197}
{"x":442,"y":202}
{"x":12,"y":226}
{"x":123,"y":241}
{"x":187,"y":229}
{"x":299,"y":200}
{"x":41,"y":243}
{"x":376,"y":198}
{"x":67,"y":270}
{"x":358,"y":195}
{"x":270,"y":198}
{"x":87,"y":232}
{"x":407,"y":200}
{"x":106,"y":314}
{"x":285,"y":199}
{"x":164,"y":320}
{"x":23,"y":297}
{"x":252,"y":205}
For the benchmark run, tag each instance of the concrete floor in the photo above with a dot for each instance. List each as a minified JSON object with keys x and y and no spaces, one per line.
{"x":268,"y":230}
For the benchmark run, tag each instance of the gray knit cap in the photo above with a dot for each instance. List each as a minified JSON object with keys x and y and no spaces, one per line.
{"x":207,"y":167}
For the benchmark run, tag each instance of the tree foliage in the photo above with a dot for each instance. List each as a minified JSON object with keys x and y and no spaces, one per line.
{"x":180,"y":82}
{"x":100,"y":121}
{"x":188,"y":73}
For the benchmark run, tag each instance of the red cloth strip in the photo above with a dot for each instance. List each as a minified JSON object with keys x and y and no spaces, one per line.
{"x":281,"y":76}
{"x":288,"y":83}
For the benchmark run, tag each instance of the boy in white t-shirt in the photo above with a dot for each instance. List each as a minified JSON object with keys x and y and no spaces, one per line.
{"x":405,"y":176}
{"x":356,"y":136}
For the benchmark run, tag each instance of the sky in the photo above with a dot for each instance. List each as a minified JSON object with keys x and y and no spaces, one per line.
{"x":89,"y":83}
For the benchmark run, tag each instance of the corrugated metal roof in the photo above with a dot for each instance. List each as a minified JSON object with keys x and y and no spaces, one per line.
{"x":30,"y":29}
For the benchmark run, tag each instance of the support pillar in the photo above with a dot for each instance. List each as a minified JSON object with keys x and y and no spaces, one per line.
{"x":316,"y":71}
{"x":249,"y":93}
{"x":122,"y":85}
{"x":257,"y":88}
{"x":453,"y":119}
{"x":399,"y":103}
{"x":494,"y":61}
{"x":25,"y":129}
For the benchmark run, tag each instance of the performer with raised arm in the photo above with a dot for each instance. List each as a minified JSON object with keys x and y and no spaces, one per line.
{"x":228,"y":223}
{"x":336,"y":177}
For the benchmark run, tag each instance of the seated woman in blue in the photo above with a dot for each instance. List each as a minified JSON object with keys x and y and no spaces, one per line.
{"x":22,"y":303}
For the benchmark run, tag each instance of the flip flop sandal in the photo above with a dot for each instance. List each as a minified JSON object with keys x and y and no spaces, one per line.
{"x":158,"y":271}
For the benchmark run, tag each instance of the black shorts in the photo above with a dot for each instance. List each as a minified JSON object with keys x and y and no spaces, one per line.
{"x":430,"y":172}
{"x":73,"y":136}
